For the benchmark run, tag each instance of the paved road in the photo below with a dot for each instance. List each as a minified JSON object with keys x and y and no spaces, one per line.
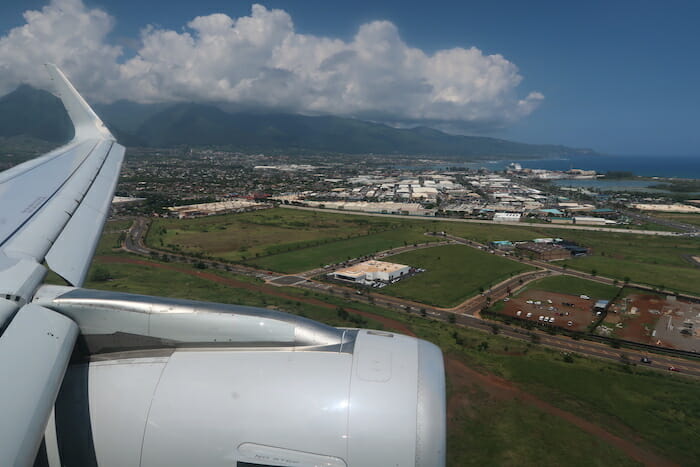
{"x":479,"y":221}
{"x":662,"y":221}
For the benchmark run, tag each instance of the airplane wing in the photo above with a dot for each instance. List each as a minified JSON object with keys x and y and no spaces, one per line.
{"x":52,"y":210}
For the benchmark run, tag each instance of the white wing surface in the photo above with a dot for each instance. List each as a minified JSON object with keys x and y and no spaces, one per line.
{"x":52,"y":209}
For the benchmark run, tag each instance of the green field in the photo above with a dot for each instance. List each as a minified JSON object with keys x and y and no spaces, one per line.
{"x":648,"y":259}
{"x":680,"y":279}
{"x":290,"y":241}
{"x":574,"y":286}
{"x":657,"y":411}
{"x":284,"y":240}
{"x":693,"y":219}
{"x":453,"y":274}
{"x":341,"y":250}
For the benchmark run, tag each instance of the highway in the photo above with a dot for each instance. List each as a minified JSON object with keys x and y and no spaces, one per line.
{"x":662,"y":233}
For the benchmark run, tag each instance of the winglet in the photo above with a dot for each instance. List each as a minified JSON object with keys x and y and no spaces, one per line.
{"x":86,"y":122}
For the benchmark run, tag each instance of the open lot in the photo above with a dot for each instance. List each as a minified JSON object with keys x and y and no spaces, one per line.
{"x":304,"y":259}
{"x":693,"y":219}
{"x":290,"y":241}
{"x":655,"y":319}
{"x":557,"y":298}
{"x":533,"y":304}
{"x":453,"y":274}
{"x":284,"y":240}
{"x":574,"y":286}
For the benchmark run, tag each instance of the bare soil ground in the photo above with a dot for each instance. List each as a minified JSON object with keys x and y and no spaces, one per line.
{"x":639,"y":317}
{"x":579,"y":314}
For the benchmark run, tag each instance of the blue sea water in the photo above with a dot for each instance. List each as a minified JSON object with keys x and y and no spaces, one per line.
{"x":649,"y":166}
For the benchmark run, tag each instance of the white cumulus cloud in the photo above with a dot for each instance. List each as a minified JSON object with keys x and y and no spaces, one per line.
{"x":261,"y":61}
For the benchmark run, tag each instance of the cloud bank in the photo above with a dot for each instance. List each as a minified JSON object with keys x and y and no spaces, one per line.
{"x":260,"y":61}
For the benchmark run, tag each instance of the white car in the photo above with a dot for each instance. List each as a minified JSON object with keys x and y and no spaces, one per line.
{"x":529,"y":315}
{"x":518,"y":313}
{"x":541,"y":318}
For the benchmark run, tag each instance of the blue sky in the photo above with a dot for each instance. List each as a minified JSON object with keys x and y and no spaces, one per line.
{"x":616,"y":76}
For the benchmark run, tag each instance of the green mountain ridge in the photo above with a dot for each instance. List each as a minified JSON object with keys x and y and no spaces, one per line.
{"x":38,"y":114}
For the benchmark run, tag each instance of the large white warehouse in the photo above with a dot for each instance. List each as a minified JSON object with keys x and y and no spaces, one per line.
{"x":371,"y":271}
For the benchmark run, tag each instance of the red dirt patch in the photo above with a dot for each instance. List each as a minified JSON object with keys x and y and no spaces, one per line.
{"x":462,"y":377}
{"x":579,"y":314}
{"x":641,"y":312}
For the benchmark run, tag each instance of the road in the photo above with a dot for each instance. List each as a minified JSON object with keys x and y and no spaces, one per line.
{"x":662,"y":233}
{"x":662,"y":221}
{"x":466,"y":314}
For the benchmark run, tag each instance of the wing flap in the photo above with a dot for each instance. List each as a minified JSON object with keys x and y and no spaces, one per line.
{"x":71,"y":253}
{"x":38,"y":234}
{"x":34,"y":353}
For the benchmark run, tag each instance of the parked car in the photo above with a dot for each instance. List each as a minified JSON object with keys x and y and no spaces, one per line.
{"x":646,"y":360}
{"x":518,"y":313}
{"x":673,"y":368}
{"x":529,"y":315}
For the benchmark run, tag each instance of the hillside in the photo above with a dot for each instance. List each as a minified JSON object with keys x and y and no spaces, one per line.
{"x":38,"y":114}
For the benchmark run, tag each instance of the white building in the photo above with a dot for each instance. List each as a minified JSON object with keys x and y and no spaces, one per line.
{"x":589,"y":220}
{"x":371,"y":271}
{"x":506,"y":217}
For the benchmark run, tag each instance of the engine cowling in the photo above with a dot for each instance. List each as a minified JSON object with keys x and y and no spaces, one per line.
{"x":372,"y":399}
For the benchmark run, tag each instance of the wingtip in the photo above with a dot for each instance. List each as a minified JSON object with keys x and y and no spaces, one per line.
{"x":86,"y":122}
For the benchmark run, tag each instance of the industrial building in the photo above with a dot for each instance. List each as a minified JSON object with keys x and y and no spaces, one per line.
{"x":506,"y":217}
{"x":209,"y":209}
{"x":372,"y":271}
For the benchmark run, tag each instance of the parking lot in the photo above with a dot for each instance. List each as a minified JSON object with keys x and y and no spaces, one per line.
{"x":552,"y":309}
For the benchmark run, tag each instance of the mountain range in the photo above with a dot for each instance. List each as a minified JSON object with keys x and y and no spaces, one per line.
{"x":34,"y":113}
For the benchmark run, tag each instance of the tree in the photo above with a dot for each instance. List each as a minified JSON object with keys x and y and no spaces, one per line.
{"x":100,"y":274}
{"x":452,"y":318}
{"x":594,"y":272}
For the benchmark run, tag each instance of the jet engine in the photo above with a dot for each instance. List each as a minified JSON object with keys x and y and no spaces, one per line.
{"x":157,"y":381}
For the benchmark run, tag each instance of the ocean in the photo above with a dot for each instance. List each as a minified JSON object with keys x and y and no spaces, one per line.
{"x":648,"y":166}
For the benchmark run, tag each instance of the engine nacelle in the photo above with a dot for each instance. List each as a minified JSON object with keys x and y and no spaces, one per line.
{"x":373,"y":399}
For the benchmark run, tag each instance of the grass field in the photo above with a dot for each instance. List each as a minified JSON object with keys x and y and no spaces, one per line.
{"x":657,"y":411}
{"x":284,"y":240}
{"x":453,"y":274}
{"x":341,"y":250}
{"x":693,"y":219}
{"x":573,"y":286}
{"x":289,"y":241}
{"x":680,"y":279}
